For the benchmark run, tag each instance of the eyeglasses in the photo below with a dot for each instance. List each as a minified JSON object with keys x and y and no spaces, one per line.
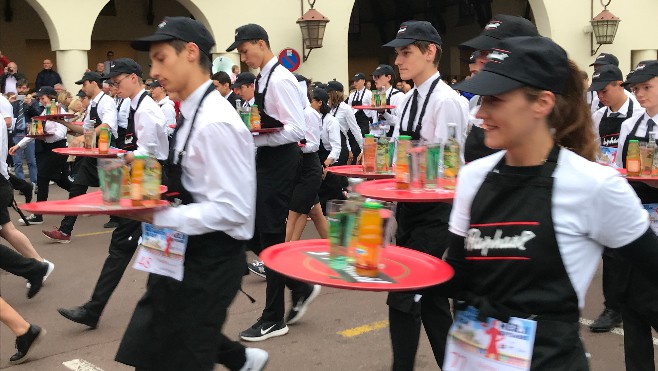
{"x":116,"y":84}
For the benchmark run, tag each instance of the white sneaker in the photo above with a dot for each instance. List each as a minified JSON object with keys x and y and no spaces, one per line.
{"x":256,"y":359}
{"x":32,"y":219}
{"x":51,"y":267}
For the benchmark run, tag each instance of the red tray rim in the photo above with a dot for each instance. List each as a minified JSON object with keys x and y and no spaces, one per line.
{"x":442,"y":268}
{"x":356,"y":171}
{"x":36,"y":136}
{"x":69,"y":207}
{"x":57,"y":116}
{"x":374,"y":108}
{"x":81,"y":152}
{"x":426,"y":195}
{"x":265,"y":130}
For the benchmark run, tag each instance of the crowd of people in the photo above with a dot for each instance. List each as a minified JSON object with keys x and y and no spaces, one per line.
{"x":531,"y":129}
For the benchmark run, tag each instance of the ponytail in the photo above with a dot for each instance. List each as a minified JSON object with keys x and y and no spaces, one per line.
{"x":324,"y":109}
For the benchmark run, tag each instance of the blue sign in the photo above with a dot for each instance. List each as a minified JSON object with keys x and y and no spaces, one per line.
{"x":289,"y":58}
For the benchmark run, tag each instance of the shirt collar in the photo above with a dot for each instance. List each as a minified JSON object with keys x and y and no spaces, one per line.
{"x":654,"y":118}
{"x":623,"y":109}
{"x":189,"y":105}
{"x":133,"y":102}
{"x":424,"y":88}
{"x":268,"y":67}
{"x":97,"y":97}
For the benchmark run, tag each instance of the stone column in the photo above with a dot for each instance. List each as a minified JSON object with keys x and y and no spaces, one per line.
{"x":638,"y":56}
{"x":71,"y":64}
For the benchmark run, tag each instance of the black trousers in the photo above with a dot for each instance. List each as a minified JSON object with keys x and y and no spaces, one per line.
{"x":615,"y":276}
{"x":640,"y":314}
{"x":68,"y":222}
{"x":121,"y":250}
{"x":18,"y":265}
{"x":86,"y":176}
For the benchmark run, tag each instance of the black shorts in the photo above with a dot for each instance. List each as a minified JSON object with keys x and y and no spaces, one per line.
{"x":6,"y":198}
{"x":305,"y":193}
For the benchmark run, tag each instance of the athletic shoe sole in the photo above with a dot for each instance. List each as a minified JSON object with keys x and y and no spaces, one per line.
{"x":271,"y":334}
{"x":56,"y":239}
{"x":304,"y":307}
{"x":34,"y":343}
{"x":256,"y":272}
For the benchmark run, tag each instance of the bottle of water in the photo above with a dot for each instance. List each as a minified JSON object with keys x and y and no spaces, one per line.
{"x":451,"y":158}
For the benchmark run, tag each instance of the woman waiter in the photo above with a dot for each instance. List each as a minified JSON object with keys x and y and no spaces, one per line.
{"x":349,"y":127}
{"x":50,"y":165}
{"x":527,"y":230}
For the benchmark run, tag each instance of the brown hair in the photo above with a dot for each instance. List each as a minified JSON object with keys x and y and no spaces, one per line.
{"x":571,"y":117}
{"x":423,"y":46}
{"x":335,"y":97}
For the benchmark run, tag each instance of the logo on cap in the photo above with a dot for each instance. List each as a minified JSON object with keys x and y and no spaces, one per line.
{"x":162,"y":24}
{"x":596,"y":75}
{"x":493,"y":25}
{"x":601,"y":56}
{"x":498,"y":56}
{"x":402,"y":29}
{"x":639,"y":67}
{"x":112,"y":66}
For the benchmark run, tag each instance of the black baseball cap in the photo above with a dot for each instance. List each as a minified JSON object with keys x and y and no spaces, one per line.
{"x":604,"y":76}
{"x":248,"y":32}
{"x":521,"y":61}
{"x":81,"y":94}
{"x":178,"y":28}
{"x":123,"y":65}
{"x":46,"y":90}
{"x":645,"y":70}
{"x":90,"y":76}
{"x":154,"y":84}
{"x":411,"y":31}
{"x":500,"y":27}
{"x":244,"y":78}
{"x":334,"y":86}
{"x":320,"y":94}
{"x":605,"y":58}
{"x":359,"y":76}
{"x":383,"y":69}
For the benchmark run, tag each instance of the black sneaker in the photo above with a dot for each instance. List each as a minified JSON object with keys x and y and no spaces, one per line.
{"x":36,"y":281}
{"x":608,"y":320}
{"x":25,"y":343}
{"x":32,"y":219}
{"x":300,"y":304}
{"x":257,"y":267}
{"x":262,"y":330}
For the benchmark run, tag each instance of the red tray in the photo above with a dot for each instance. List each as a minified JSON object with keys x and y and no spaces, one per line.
{"x":172,"y":126}
{"x":403,"y":269}
{"x":386,"y":190}
{"x":265,"y":130}
{"x":90,"y":203}
{"x":60,"y":116}
{"x":81,"y":152}
{"x":40,"y":136}
{"x":356,"y":171}
{"x":374,"y":108}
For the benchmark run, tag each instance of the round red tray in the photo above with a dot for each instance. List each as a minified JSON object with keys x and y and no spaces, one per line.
{"x":81,"y":152}
{"x":374,"y":108}
{"x":386,"y":190}
{"x":90,"y":203}
{"x":40,"y":136}
{"x":265,"y":130}
{"x":356,"y":171}
{"x":60,"y":116}
{"x":402,"y":269}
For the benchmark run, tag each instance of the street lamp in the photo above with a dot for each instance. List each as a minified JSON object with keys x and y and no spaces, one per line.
{"x":604,"y":26}
{"x":312,"y":24}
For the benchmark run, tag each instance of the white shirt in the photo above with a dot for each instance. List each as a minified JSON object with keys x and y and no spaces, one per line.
{"x":330,"y":136}
{"x":627,"y":127}
{"x":167,"y":106}
{"x":219,"y":170}
{"x":10,"y":84}
{"x":49,"y":127}
{"x":366,"y":100}
{"x":594,"y":106}
{"x":150,"y":127}
{"x":598,"y":115}
{"x":283,"y":103}
{"x":124,"y":112}
{"x":313,"y":126}
{"x":590,"y":202}
{"x":444,"y":106}
{"x":107,"y":111}
{"x":6,"y":111}
{"x":344,"y":114}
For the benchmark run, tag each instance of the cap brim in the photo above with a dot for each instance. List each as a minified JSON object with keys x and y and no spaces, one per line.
{"x":488,"y":83}
{"x":599,"y":64}
{"x":398,"y":43}
{"x":598,"y":85}
{"x":638,"y":78}
{"x":480,"y":42}
{"x":235,"y":44}
{"x":80,"y":82}
{"x":144,"y":44}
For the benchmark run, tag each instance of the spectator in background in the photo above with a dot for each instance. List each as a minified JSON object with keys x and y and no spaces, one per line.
{"x":108,"y":62}
{"x":222,"y":83}
{"x":100,"y":68}
{"x":9,"y":78}
{"x":59,"y":88}
{"x":23,"y":111}
{"x":106,"y":88}
{"x":47,"y":76}
{"x":235,"y":70}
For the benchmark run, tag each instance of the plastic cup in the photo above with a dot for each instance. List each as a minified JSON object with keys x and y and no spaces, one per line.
{"x":90,"y":138}
{"x":110,"y":175}
{"x":417,"y":166}
{"x":341,"y":223}
{"x":433,"y":159}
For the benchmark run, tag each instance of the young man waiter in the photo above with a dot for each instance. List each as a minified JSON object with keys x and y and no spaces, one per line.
{"x":278,"y":162}
{"x":210,"y":166}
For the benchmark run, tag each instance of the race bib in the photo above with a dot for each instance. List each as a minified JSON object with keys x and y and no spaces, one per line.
{"x":161,"y":251}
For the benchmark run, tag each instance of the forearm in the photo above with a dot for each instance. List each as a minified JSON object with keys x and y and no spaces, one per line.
{"x":643,"y":254}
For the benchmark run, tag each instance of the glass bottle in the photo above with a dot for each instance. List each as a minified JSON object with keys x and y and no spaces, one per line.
{"x":633,"y":162}
{"x":152,"y":176}
{"x":451,"y":158}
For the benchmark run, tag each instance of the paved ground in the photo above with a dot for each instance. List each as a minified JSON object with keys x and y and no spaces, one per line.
{"x":318,"y":342}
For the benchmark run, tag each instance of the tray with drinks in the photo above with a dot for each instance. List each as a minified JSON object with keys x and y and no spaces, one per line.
{"x":90,"y":203}
{"x":400,"y":269}
{"x":374,"y":108}
{"x":387,"y":190}
{"x":356,"y":171}
{"x":265,"y":130}
{"x":61,"y":116}
{"x":82,"y":152}
{"x":40,"y":136}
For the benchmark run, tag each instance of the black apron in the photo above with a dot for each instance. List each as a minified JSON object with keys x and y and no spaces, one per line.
{"x":266,"y":121}
{"x":610,"y":127}
{"x":527,"y":279}
{"x":332,"y":185}
{"x":361,"y":117}
{"x":415,"y":134}
{"x":646,"y":193}
{"x":176,"y":324}
{"x":87,"y":174}
{"x":129,"y":142}
{"x":121,"y":132}
{"x":391,"y":128}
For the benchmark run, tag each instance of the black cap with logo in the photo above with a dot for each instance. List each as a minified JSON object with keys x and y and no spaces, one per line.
{"x":500,"y":27}
{"x":154,"y":84}
{"x":248,"y":32}
{"x":411,"y":31}
{"x":81,"y":94}
{"x":359,"y":76}
{"x":123,"y":65}
{"x":334,"y":86}
{"x":47,"y":90}
{"x":90,"y":76}
{"x":521,"y":61}
{"x":178,"y":28}
{"x":645,"y":70}
{"x":320,"y":94}
{"x":244,"y":78}
{"x":605,"y":58}
{"x":383,"y":69}
{"x":604,"y":76}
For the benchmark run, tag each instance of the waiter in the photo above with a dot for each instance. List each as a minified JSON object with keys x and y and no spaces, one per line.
{"x":146,"y":125}
{"x":278,"y":161}
{"x":244,"y":84}
{"x":361,"y":97}
{"x":177,"y":324}
{"x":383,"y":75}
{"x":101,"y":113}
{"x":423,"y":226}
